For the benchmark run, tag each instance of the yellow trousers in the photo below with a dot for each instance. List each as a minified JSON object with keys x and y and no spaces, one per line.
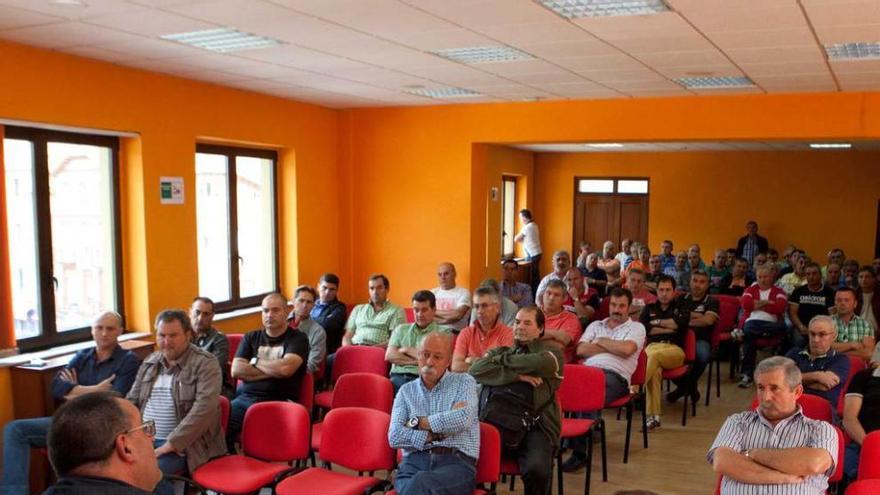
{"x":661,"y":356}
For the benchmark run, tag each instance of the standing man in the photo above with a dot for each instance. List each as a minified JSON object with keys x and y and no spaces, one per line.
{"x":209,"y":339}
{"x":823,"y":369}
{"x":487,"y":332}
{"x":531,"y":241}
{"x":518,"y":292}
{"x":702,"y":312}
{"x":300,"y":319}
{"x":533,"y":361}
{"x":855,"y":336}
{"x":403,"y":347}
{"x":807,"y":301}
{"x":177,"y":389}
{"x":372,"y":323}
{"x":453,"y":303}
{"x":775,"y":449}
{"x":105,"y":367}
{"x":749,"y":245}
{"x":329,"y":311}
{"x":434,"y":420}
{"x":561,"y":264}
{"x":270,"y":363}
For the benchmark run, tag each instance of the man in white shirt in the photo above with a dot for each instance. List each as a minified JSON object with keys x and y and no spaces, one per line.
{"x":531,"y":241}
{"x":453,"y":303}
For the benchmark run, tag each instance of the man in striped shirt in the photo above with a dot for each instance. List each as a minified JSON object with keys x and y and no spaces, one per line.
{"x":775,"y":449}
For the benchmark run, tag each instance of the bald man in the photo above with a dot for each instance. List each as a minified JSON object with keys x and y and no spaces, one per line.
{"x":453,"y":303}
{"x":107,"y":366}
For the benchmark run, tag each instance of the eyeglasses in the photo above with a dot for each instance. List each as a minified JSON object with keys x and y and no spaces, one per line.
{"x":148,"y":426}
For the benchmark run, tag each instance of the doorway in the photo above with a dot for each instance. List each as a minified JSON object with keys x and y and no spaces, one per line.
{"x":609,"y":208}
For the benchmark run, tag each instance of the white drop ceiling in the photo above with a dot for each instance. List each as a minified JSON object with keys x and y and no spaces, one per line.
{"x":655,"y":146}
{"x":354,"y":53}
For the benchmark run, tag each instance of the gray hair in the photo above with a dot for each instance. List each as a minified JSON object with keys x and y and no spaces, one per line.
{"x":446,"y":337}
{"x":488,"y":288}
{"x":827,"y":320}
{"x":792,"y":373}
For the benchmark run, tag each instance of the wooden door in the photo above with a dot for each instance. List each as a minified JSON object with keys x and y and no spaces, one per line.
{"x":602,"y":217}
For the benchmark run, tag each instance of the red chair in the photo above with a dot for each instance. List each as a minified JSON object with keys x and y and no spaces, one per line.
{"x":234,"y":341}
{"x":356,"y":438}
{"x":629,"y":401}
{"x":690,"y":353}
{"x":814,"y":407}
{"x":351,"y":359}
{"x":307,"y":392}
{"x":224,"y":412}
{"x":864,"y":487}
{"x":603,"y":308}
{"x":582,"y":390}
{"x":410,"y":315}
{"x":274,"y":435}
{"x":720,"y":335}
{"x":357,"y":390}
{"x":837,"y":475}
{"x":869,"y":457}
{"x":855,"y":365}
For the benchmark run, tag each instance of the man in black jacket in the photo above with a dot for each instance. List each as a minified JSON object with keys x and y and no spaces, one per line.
{"x":751,"y":244}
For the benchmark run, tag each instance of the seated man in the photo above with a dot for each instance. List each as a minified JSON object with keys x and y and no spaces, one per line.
{"x":655,"y":266}
{"x":807,"y":301}
{"x":453,"y":303}
{"x":508,"y":307}
{"x":612,"y":344}
{"x":775,"y":449}
{"x":484,"y":334}
{"x":735,"y":283}
{"x":177,"y":388}
{"x":270,"y":362}
{"x":580,"y":300}
{"x":835,"y":256}
{"x":625,"y":255}
{"x":640,"y":261}
{"x":584,"y":250}
{"x":104,"y":367}
{"x":868,"y":296}
{"x":717,"y":271}
{"x":679,"y":270}
{"x":329,"y":311}
{"x":403,"y":347}
{"x":763,"y":305}
{"x":595,"y":277}
{"x":796,"y":277}
{"x":301,"y":319}
{"x":99,"y":444}
{"x":703,"y":312}
{"x":518,"y":292}
{"x":372,"y":323}
{"x":855,"y":336}
{"x":208,"y":338}
{"x":610,"y":265}
{"x":561,"y":264}
{"x":666,"y":327}
{"x":435,"y":422}
{"x":533,"y":361}
{"x":823,"y":369}
{"x":861,"y":415}
{"x":562,"y":328}
{"x":834,"y":276}
{"x":666,"y":256}
{"x":641,"y":296}
{"x":695,"y":253}
{"x":851,"y":273}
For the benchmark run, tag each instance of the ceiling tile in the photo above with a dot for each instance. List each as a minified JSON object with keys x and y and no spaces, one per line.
{"x":439,"y":40}
{"x":841,"y":67}
{"x":722,"y":16}
{"x":806,"y":53}
{"x":65,"y":34}
{"x":702,"y":58}
{"x":88,"y":9}
{"x":830,"y":35}
{"x":383,"y":18}
{"x":149,"y":22}
{"x":612,"y":76}
{"x":557,"y":31}
{"x":483,"y":13}
{"x":763,"y":38}
{"x":824,"y":13}
{"x":542,"y":78}
{"x":518,"y":67}
{"x":149,"y":48}
{"x":11,"y":17}
{"x":630,"y":86}
{"x":779,"y":68}
{"x":213,"y":61}
{"x":701,"y":71}
{"x":587,"y":47}
{"x":98,"y":53}
{"x":214,"y":76}
{"x":233,"y":13}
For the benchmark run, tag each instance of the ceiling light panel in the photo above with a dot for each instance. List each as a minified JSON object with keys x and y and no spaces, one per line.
{"x":830,"y":146}
{"x":853,"y":51}
{"x":483,"y":54}
{"x":574,"y":9}
{"x":715,"y":82}
{"x":222,"y":40}
{"x":444,"y":92}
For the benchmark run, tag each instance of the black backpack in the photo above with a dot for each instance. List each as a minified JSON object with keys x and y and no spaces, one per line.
{"x":510,"y":408}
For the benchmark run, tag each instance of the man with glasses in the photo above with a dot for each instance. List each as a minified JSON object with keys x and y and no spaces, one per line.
{"x":823,"y":369}
{"x":98,"y":444}
{"x":177,"y":387}
{"x":107,"y":366}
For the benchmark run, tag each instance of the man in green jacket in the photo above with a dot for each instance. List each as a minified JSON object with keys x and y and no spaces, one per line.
{"x":533,"y":361}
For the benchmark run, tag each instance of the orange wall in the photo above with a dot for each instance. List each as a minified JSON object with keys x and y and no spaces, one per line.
{"x":815,"y":200}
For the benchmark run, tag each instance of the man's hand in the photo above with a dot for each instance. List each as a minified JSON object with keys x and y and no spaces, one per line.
{"x":68,"y":375}
{"x":106,"y":384}
{"x":791,"y":479}
{"x":575,"y":292}
{"x":166,"y":448}
{"x":534,"y":381}
{"x":459,"y":405}
{"x":829,"y":379}
{"x":761,"y":303}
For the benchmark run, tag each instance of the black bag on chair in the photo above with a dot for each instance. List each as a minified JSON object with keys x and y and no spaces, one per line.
{"x":510,"y":408}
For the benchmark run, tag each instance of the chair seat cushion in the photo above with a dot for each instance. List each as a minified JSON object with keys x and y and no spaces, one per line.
{"x":573,"y":427}
{"x":316,"y":437}
{"x":236,"y":474}
{"x":317,"y":480}
{"x":621,"y":401}
{"x":675,"y":373}
{"x":509,"y":466}
{"x":324,"y":399}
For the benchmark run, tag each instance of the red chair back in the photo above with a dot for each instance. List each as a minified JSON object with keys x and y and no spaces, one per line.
{"x":582,"y":388}
{"x":276,"y":431}
{"x":410,"y":315}
{"x":603,"y":308}
{"x":363,"y":358}
{"x":856,"y":364}
{"x":224,"y":412}
{"x":814,"y":407}
{"x":638,"y":377}
{"x":726,"y":320}
{"x":690,"y":346}
{"x":869,"y":458}
{"x":364,"y":390}
{"x":489,"y":462}
{"x":234,"y":341}
{"x":357,"y":438}
{"x":837,"y":475}
{"x":864,"y":487}
{"x":724,"y":298}
{"x":307,"y":392}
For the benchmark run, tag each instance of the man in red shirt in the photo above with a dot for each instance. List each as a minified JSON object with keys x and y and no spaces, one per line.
{"x":561,"y":328}
{"x":485,"y":333}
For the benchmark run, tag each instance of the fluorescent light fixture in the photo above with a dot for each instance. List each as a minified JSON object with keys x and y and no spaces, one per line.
{"x":483,"y":54}
{"x":68,"y":3}
{"x":604,"y":145}
{"x":444,"y":92}
{"x":222,"y":40}
{"x":830,"y":146}
{"x":573,"y":9}
{"x":852,"y":51}
{"x":715,"y":82}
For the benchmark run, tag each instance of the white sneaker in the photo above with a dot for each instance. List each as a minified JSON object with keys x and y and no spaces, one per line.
{"x":736,"y":334}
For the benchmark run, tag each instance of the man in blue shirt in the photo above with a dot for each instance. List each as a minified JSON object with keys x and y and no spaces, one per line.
{"x":329,"y":312}
{"x":434,"y":421}
{"x":105,"y":367}
{"x":823,"y":369}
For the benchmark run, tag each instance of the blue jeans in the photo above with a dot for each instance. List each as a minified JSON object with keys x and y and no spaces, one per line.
{"x":435,"y":474}
{"x":237,"y":408}
{"x":851,"y":461}
{"x":752,"y":331}
{"x":19,"y":437}
{"x":702,"y":356}
{"x":169,"y":464}
{"x":399,"y":379}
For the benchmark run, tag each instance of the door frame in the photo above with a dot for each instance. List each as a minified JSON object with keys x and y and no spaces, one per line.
{"x":575,"y":243}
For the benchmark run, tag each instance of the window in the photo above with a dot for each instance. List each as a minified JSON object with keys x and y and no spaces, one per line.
{"x":235,"y":217}
{"x":62,"y":212}
{"x":620,"y":186}
{"x":508,"y":215}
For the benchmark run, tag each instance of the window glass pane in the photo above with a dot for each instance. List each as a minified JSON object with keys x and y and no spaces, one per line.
{"x":83,"y":256}
{"x":256,"y":227}
{"x":509,"y":216}
{"x":596,"y":186}
{"x":212,"y":226}
{"x":21,"y":214}
{"x":632,"y":186}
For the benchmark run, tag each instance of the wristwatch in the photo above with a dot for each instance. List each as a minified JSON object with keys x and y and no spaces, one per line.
{"x":412,"y":423}
{"x":254,"y":361}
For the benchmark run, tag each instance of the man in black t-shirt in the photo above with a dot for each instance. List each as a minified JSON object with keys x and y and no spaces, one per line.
{"x":807,"y":301}
{"x":270,"y":363}
{"x":735,"y":282}
{"x":703,"y":315}
{"x":861,"y":415}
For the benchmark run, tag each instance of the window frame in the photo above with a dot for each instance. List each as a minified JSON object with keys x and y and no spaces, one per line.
{"x":505,"y":179}
{"x":235,"y":301}
{"x":40,"y":138}
{"x":615,"y":189}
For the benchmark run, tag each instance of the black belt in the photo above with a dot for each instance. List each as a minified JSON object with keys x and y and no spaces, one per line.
{"x":450,"y":451}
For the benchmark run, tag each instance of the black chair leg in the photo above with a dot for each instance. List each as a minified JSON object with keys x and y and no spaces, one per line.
{"x":709,"y":382}
{"x":589,"y":463}
{"x":559,"y":470}
{"x":629,"y":422}
{"x":717,"y":378}
{"x":642,"y":403}
{"x":601,"y":425}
